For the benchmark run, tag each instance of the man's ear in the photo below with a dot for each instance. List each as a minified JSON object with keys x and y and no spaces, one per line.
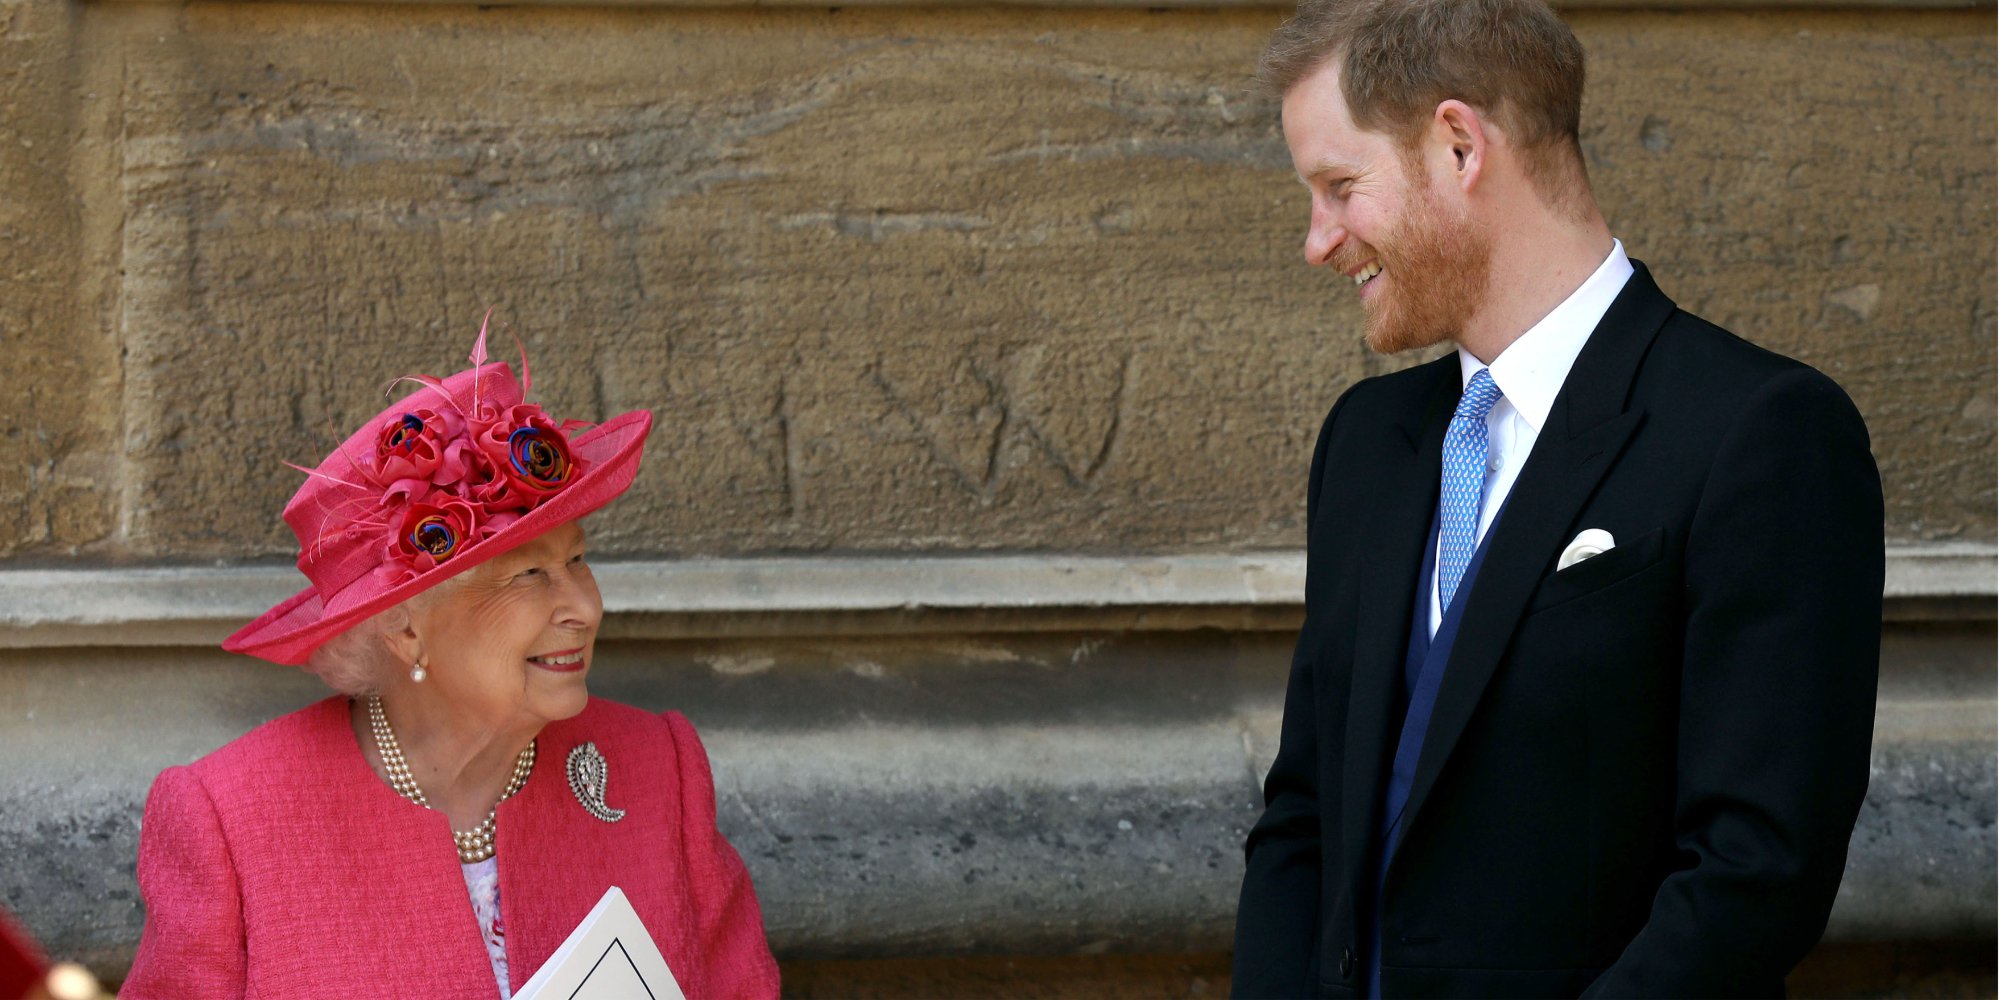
{"x":1458,"y":129}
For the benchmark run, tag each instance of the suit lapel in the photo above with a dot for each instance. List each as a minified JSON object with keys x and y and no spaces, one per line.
{"x":1405,"y":478}
{"x":1587,"y":429}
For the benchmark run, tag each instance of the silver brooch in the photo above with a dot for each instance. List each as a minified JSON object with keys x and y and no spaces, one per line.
{"x":587,"y":773}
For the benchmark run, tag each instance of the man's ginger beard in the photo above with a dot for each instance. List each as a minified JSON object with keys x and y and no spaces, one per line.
{"x":1437,"y":270}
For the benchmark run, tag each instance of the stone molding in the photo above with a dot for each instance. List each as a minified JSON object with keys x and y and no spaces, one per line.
{"x":841,"y":595}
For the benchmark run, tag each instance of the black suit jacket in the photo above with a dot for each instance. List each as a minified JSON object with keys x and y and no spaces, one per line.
{"x":1642,"y":771}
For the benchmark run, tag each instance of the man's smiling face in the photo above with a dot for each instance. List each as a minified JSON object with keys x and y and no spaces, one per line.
{"x":1418,"y":262}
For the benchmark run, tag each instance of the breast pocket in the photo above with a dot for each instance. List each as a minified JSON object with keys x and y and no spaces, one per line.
{"x":1600,"y":571}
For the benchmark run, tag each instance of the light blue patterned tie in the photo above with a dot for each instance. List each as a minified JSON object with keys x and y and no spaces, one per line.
{"x":1464,"y":485}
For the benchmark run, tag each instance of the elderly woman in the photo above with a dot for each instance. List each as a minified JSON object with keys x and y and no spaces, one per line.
{"x":441,"y":826}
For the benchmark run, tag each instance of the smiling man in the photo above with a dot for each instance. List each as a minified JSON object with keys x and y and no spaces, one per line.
{"x":1583,"y":699}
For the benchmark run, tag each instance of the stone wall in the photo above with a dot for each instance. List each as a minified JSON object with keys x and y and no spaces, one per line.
{"x":892,"y":280}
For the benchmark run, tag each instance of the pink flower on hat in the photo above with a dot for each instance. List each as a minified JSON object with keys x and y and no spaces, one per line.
{"x":529,"y":453}
{"x":429,"y":532}
{"x":448,"y":481}
{"x":424,"y":444}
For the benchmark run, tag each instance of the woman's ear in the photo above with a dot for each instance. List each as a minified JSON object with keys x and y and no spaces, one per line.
{"x":399,"y":633}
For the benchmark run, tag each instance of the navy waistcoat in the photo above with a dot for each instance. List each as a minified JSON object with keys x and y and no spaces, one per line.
{"x":1423,"y":670}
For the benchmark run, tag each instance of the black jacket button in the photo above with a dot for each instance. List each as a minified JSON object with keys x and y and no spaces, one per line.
{"x":1346,"y":963}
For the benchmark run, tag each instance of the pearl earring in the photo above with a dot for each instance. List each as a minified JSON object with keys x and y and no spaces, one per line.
{"x":418,"y":673}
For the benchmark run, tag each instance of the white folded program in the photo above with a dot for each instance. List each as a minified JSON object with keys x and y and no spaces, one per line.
{"x":609,"y":956}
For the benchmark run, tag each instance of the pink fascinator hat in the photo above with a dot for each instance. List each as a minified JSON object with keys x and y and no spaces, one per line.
{"x":450,"y":476}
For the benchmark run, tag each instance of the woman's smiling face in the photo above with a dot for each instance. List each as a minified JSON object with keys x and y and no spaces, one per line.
{"x":511,"y":641}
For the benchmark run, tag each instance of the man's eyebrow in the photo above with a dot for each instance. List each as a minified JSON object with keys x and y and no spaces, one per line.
{"x":1338,"y":167}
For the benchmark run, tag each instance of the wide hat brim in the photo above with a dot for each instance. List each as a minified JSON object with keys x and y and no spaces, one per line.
{"x":289,"y":633}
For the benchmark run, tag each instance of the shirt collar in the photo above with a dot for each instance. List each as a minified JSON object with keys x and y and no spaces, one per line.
{"x":1531,"y":370}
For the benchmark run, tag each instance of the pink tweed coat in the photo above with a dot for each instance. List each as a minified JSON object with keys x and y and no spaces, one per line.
{"x":281,"y":866}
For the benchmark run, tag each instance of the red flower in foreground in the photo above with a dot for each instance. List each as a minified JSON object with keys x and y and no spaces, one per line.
{"x":529,"y":453}
{"x":430,"y":532}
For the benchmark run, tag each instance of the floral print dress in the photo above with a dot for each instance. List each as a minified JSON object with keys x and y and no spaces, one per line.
{"x":482,"y":880}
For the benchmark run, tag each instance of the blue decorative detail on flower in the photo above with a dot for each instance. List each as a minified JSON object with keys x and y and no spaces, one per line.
{"x":434,"y":535}
{"x":404,"y":434}
{"x":536,"y":457}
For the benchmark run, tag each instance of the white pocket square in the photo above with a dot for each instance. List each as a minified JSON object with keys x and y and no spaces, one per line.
{"x":1588,"y":542}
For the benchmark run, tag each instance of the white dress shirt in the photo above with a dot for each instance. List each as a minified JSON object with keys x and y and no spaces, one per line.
{"x":1529,"y":374}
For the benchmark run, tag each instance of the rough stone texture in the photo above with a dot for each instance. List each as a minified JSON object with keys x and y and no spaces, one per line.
{"x":1902,"y":970}
{"x":1014,"y":977}
{"x":1923,"y":841}
{"x":865,"y":323}
{"x":1792,"y":180}
{"x":60,"y":407}
{"x":892,"y":279}
{"x":948,"y":795}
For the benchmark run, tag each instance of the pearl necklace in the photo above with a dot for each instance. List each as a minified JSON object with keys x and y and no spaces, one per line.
{"x":474,"y":845}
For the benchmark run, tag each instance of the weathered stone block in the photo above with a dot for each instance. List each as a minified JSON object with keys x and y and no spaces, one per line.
{"x":890,"y":281}
{"x":935,"y":279}
{"x":59,"y":410}
{"x":1820,"y":185}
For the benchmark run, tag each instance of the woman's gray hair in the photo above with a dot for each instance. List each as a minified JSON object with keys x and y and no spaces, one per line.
{"x":360,"y":661}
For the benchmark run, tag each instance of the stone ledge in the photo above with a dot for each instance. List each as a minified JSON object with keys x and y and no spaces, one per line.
{"x":1053,"y":838}
{"x":992,"y":794}
{"x":924,"y":841}
{"x":841,"y":595}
